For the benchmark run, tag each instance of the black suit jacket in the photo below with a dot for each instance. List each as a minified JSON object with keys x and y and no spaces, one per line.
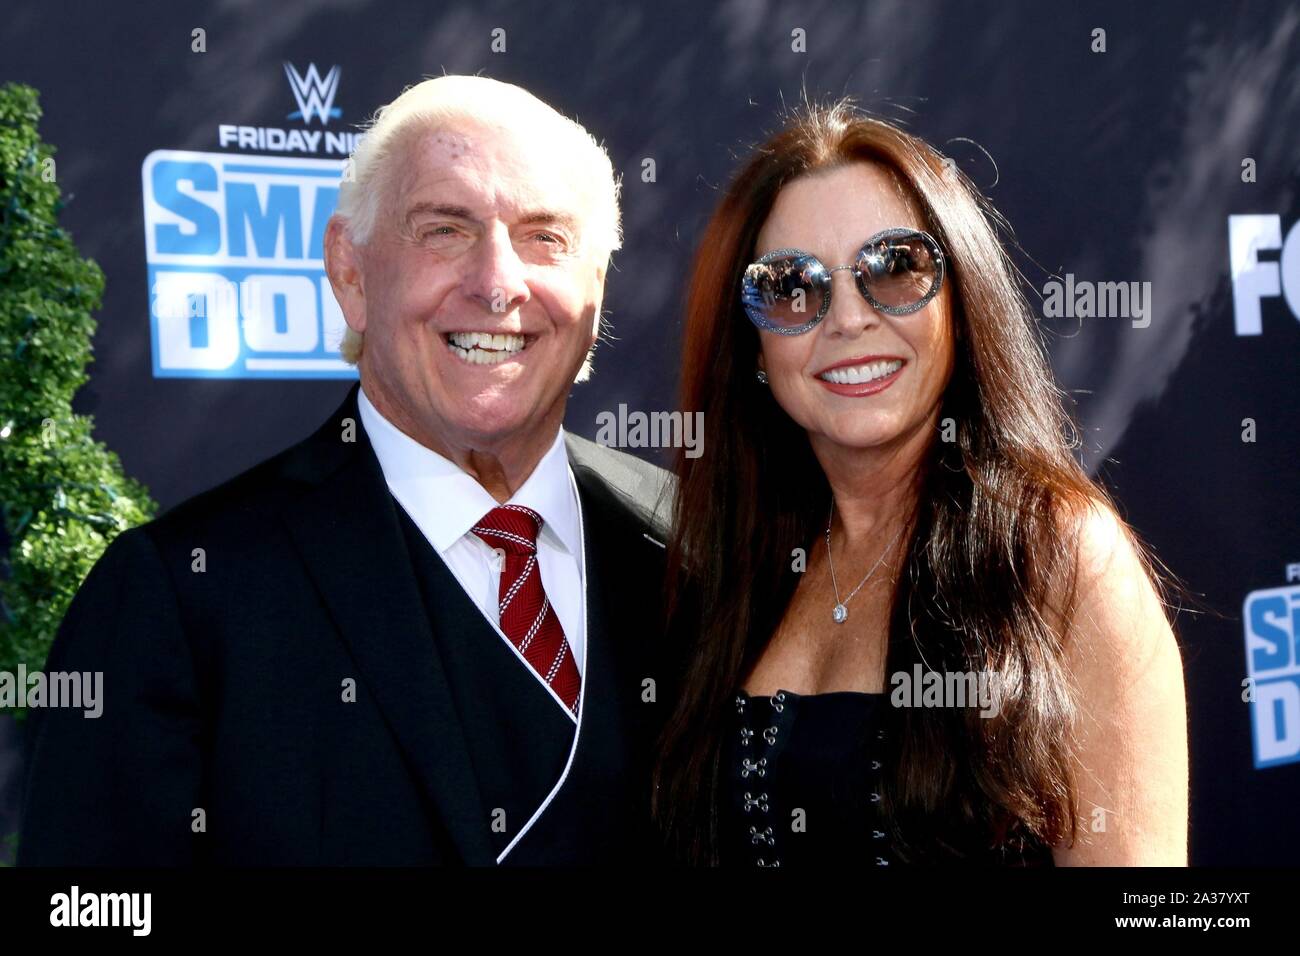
{"x":227,"y":632}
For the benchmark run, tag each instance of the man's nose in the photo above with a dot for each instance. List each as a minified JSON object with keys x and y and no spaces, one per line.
{"x":497,"y":276}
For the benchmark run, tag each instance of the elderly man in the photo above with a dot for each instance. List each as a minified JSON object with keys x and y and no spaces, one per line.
{"x":429,"y":633}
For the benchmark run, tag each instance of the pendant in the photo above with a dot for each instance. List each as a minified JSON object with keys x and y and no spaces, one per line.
{"x":841,"y":614}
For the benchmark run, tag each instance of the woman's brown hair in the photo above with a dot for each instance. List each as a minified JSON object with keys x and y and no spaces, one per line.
{"x":987,"y":550}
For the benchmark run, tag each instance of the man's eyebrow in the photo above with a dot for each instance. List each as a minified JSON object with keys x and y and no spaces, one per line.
{"x":550,"y":216}
{"x":438,"y":209}
{"x":534,"y":218}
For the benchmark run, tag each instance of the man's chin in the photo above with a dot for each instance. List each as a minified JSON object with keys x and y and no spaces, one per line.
{"x":489,"y":424}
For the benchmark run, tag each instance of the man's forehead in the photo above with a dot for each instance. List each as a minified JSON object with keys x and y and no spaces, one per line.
{"x":488,"y":169}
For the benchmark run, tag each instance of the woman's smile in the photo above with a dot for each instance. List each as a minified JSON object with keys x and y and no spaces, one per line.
{"x":864,"y":376}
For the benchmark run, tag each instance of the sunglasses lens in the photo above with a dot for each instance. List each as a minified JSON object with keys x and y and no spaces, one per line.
{"x":898,"y":271}
{"x":786,"y":292}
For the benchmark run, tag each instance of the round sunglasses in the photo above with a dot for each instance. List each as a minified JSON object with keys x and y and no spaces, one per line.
{"x":898,"y":271}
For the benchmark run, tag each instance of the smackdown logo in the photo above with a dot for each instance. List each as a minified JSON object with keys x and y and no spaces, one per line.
{"x":1272,"y":623}
{"x":235,"y":252}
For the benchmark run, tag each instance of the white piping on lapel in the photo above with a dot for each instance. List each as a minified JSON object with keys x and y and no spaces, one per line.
{"x":653,"y":541}
{"x":588,"y":649}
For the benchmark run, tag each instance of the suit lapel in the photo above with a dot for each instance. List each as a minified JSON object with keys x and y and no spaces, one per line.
{"x":348,"y":537}
{"x":604,"y":780}
{"x":597,"y":731}
{"x":620,"y":611}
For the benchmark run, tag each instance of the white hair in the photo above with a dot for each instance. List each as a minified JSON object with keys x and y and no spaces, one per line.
{"x":443,"y":100}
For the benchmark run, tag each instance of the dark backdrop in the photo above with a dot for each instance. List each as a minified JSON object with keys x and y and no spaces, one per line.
{"x":1121,"y":165}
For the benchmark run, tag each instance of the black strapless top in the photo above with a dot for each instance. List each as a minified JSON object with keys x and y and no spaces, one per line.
{"x":800,"y":783}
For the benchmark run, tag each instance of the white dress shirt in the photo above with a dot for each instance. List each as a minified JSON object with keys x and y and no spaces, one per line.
{"x":445,"y":503}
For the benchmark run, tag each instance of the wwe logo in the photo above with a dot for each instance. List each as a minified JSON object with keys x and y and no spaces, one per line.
{"x":315,"y":95}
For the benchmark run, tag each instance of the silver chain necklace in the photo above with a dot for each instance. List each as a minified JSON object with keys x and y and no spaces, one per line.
{"x":841,"y":612}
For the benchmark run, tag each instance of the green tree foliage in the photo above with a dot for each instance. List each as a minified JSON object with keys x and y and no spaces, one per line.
{"x":64,"y":494}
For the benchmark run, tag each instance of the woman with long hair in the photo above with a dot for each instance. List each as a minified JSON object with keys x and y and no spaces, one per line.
{"x":921,"y":633}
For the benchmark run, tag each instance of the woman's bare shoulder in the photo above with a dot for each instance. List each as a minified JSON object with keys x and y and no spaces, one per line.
{"x":1131,"y":732}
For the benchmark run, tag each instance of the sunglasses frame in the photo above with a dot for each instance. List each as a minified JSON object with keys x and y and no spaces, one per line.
{"x":936,"y":254}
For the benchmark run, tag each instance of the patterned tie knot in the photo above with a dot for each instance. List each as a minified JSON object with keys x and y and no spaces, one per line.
{"x":512,"y":528}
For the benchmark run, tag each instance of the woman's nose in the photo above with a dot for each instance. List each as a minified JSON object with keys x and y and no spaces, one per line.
{"x":850,"y":313}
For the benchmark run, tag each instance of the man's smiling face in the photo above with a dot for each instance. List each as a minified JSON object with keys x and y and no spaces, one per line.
{"x":478,"y":291}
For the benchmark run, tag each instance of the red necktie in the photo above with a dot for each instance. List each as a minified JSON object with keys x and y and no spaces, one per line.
{"x":527,"y":617}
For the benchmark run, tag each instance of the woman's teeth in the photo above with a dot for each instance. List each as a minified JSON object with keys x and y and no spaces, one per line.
{"x":861,"y":374}
{"x":483,"y":348}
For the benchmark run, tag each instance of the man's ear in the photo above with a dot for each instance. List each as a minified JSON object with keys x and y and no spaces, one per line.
{"x":342,"y":265}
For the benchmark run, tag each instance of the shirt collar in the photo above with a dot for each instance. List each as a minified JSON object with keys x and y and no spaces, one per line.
{"x":445,"y":502}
